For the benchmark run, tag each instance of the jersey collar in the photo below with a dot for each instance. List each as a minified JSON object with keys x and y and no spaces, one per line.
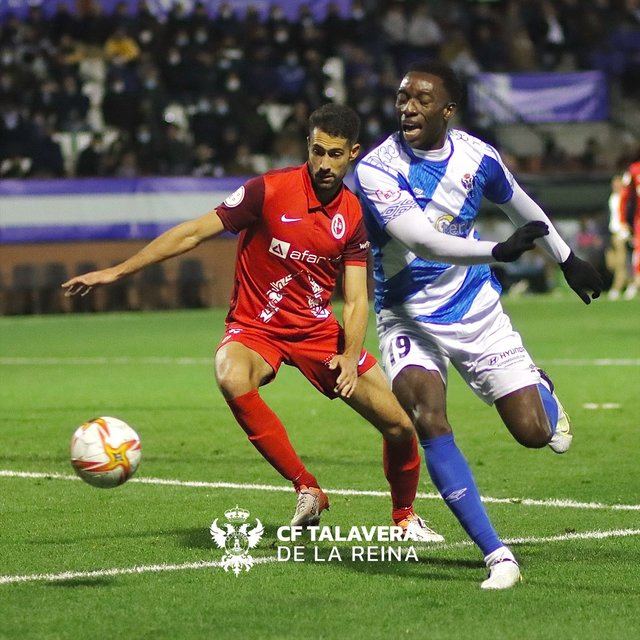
{"x":313,"y":203}
{"x":424,"y":155}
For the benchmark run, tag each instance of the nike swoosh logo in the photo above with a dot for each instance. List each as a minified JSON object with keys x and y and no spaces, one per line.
{"x":285,"y":219}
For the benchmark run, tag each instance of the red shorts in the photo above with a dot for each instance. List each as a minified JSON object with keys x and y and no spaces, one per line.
{"x":311,"y":355}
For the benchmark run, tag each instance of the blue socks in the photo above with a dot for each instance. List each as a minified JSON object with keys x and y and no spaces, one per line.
{"x":550,"y":405}
{"x":452,"y":477}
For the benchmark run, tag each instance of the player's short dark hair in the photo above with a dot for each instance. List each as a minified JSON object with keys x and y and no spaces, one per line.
{"x":449,"y":77}
{"x":337,"y":120}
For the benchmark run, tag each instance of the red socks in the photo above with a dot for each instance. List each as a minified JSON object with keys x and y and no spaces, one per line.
{"x":402,"y":470}
{"x":269,"y":437}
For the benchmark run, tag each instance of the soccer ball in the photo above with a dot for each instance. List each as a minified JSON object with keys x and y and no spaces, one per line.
{"x":105,"y":452}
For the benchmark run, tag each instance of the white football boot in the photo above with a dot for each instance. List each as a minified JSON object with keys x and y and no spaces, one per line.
{"x":311,"y":503}
{"x":561,"y":439}
{"x":504,"y":571}
{"x":563,"y":436}
{"x":418,"y":530}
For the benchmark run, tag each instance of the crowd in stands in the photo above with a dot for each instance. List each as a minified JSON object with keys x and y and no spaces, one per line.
{"x":85,"y":93}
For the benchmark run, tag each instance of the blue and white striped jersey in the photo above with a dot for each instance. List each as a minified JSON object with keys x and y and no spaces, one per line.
{"x":392,"y":180}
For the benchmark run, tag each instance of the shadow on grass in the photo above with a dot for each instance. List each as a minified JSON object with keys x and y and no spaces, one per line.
{"x":80,"y":582}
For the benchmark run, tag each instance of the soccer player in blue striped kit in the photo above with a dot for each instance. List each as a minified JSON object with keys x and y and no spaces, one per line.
{"x":436,"y":300}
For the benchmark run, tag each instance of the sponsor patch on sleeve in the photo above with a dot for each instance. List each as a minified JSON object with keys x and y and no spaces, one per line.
{"x":235,"y":198}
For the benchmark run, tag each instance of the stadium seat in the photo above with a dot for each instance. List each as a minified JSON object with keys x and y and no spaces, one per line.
{"x":151,"y":288}
{"x":22,"y":292}
{"x":50,"y":295}
{"x":117,"y":295}
{"x":190,"y":284}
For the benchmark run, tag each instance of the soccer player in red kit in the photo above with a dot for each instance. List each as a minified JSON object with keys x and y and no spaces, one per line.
{"x":296,"y":227}
{"x":630,"y":215}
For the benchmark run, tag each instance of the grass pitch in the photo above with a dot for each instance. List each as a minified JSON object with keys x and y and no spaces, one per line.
{"x":154,"y":371}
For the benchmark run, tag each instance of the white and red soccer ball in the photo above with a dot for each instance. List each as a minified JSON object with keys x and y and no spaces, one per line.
{"x":105,"y":452}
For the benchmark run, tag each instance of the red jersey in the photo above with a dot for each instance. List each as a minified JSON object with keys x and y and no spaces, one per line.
{"x":630,"y":196}
{"x":289,"y":250}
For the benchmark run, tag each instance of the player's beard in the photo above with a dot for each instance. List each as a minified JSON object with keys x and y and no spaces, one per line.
{"x":324,"y":181}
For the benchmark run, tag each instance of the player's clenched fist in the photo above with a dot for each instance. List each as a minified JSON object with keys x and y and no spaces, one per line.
{"x":84,"y":283}
{"x":520,"y":241}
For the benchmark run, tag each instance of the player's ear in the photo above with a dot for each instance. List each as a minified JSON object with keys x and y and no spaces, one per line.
{"x":450,"y":110}
{"x":355,"y":152}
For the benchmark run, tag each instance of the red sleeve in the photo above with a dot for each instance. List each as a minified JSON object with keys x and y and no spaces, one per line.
{"x":357,"y":247}
{"x":243,"y":207}
{"x":627,"y":197}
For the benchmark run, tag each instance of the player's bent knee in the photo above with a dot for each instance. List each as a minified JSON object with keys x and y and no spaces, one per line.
{"x":233,"y":381}
{"x":399,"y":431}
{"x":431,"y":424}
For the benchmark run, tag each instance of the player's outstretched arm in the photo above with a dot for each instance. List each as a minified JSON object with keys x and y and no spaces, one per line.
{"x":579,"y":274}
{"x":177,"y":240}
{"x":355,"y":316}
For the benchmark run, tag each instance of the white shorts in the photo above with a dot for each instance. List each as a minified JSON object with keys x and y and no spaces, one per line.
{"x":483,"y":347}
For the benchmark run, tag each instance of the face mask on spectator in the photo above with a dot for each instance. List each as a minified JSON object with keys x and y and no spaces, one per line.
{"x":281,"y":36}
{"x":201,"y":36}
{"x":7,"y":58}
{"x":174,"y":58}
{"x":145,"y":36}
{"x":222,"y":108}
{"x":144,"y":136}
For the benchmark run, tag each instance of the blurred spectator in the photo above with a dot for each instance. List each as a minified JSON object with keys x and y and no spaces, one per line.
{"x":590,"y":244}
{"x":119,"y":107}
{"x":238,"y":82}
{"x":424,"y":32}
{"x":91,"y":160}
{"x":45,"y":152}
{"x":616,"y":255}
{"x":121,"y":48}
{"x":176,"y":155}
{"x":71,"y":106}
{"x":206,"y":163}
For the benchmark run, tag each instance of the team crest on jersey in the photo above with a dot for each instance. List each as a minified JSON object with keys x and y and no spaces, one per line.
{"x":235,"y":198}
{"x":467,"y":181}
{"x":338,"y":226}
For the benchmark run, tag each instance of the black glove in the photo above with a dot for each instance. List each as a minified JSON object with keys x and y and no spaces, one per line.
{"x":521,"y":240}
{"x":582,"y":277}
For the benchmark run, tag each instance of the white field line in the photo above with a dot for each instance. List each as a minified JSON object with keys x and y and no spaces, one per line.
{"x":158,"y":568}
{"x":189,"y":361}
{"x":103,"y":573}
{"x":527,"y":502}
